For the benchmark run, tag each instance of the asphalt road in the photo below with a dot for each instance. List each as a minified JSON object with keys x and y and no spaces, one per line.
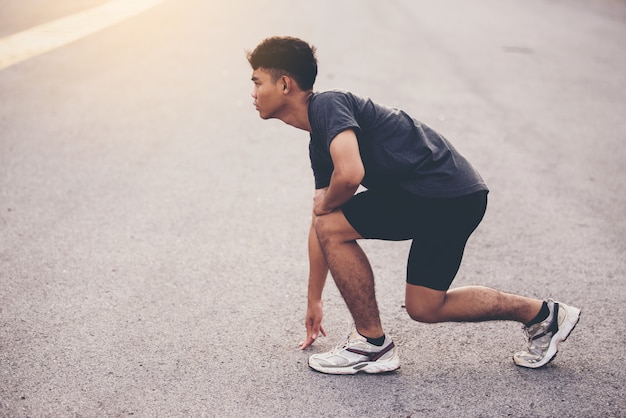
{"x":153,"y":228}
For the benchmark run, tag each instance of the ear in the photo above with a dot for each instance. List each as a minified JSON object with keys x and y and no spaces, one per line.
{"x":286,"y":84}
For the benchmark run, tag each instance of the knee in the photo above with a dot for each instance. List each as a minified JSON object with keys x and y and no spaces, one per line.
{"x":334,"y":228}
{"x":424,"y":304}
{"x":422,"y":313}
{"x":326,"y":230}
{"x":322,"y":228}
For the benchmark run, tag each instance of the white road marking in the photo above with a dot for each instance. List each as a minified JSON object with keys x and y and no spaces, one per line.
{"x":48,"y":36}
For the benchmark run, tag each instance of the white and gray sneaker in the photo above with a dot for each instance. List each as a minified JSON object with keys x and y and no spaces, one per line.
{"x":545,"y":337}
{"x":354,"y":354}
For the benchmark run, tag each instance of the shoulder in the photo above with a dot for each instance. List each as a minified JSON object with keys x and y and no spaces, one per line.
{"x":332,"y":112}
{"x":334,"y":96}
{"x":330,"y":104}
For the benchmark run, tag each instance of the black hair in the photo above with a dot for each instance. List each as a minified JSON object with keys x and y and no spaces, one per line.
{"x":286,"y":55}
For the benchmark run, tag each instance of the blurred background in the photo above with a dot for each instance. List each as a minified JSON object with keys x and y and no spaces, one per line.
{"x":153,"y":228}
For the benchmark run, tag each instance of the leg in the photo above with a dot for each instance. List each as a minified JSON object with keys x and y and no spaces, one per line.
{"x":433,"y":262}
{"x":351,"y":271}
{"x":468,"y":304}
{"x":475,"y":303}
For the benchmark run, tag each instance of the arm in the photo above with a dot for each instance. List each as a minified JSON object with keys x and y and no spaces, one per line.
{"x":318,"y":271}
{"x":347,"y":174}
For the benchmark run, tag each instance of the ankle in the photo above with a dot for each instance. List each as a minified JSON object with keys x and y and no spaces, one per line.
{"x":379,"y":341}
{"x":376,"y":336}
{"x":542,"y":315}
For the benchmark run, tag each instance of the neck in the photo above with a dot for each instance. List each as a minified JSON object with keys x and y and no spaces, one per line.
{"x":298,"y":114}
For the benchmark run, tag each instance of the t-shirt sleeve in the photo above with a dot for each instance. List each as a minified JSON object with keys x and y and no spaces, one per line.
{"x":322,"y":165}
{"x":332,"y":114}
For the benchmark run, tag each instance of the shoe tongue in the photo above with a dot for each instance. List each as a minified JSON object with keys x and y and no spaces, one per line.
{"x":355,"y":336}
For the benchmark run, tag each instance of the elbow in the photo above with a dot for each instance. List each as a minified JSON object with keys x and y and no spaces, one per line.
{"x":351,"y":179}
{"x":357,"y":177}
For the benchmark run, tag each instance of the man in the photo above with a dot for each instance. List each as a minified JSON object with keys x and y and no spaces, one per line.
{"x":419,"y":188}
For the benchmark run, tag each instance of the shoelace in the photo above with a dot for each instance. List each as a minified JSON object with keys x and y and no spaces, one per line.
{"x":535,"y":345}
{"x":342,"y":344}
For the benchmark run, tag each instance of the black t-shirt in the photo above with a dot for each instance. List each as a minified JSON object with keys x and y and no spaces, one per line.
{"x":396,"y":150}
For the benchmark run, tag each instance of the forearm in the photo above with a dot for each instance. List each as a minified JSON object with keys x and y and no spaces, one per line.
{"x":348,"y":173}
{"x":318,"y":268}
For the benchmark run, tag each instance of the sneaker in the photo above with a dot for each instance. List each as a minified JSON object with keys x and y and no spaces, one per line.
{"x":355,"y":355}
{"x":545,"y":337}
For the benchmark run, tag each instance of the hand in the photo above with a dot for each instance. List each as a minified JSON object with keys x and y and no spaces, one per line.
{"x":318,"y":203}
{"x":313,"y":324}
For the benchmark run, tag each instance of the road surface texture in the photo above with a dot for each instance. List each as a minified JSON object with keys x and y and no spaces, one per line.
{"x":153,"y":229}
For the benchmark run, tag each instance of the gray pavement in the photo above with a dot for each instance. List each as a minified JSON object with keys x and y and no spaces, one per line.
{"x":153,"y":229}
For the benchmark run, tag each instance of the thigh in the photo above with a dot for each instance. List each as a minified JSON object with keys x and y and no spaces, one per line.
{"x":434,"y":264}
{"x":436,"y":254}
{"x":387,"y":215}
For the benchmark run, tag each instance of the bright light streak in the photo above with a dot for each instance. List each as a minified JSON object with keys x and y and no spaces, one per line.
{"x":48,"y":36}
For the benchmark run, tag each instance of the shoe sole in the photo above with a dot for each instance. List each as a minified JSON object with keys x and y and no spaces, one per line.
{"x":369,"y":367}
{"x":560,"y":336}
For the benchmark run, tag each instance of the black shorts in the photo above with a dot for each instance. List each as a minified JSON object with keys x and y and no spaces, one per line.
{"x":439,"y":228}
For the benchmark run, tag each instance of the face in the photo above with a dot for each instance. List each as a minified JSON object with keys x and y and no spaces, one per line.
{"x":268,"y":95}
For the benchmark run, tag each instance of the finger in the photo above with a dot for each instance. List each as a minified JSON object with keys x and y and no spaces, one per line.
{"x":306,"y":343}
{"x":310,"y":339}
{"x":322,"y":330}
